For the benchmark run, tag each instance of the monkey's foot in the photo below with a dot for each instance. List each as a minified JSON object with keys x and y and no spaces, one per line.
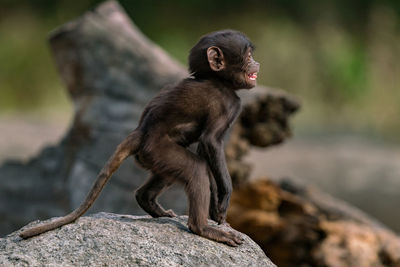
{"x":228,"y":237}
{"x":170,"y":213}
{"x":162,"y":213}
{"x":233,"y":230}
{"x":154,"y":209}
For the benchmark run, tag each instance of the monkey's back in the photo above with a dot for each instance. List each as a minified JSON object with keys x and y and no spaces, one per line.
{"x":179,"y":112}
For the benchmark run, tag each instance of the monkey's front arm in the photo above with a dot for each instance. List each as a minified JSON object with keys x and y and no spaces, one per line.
{"x":220,"y":181}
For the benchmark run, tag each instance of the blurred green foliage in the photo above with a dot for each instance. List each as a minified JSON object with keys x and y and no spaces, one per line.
{"x":340,"y":57}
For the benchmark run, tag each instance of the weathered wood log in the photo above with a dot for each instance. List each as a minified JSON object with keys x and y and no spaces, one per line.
{"x":111,"y":70}
{"x":297,"y":225}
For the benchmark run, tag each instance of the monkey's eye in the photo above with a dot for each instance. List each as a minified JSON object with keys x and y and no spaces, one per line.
{"x":250,"y":57}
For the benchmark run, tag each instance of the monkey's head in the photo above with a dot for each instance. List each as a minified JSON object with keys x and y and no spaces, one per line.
{"x":225,"y":56}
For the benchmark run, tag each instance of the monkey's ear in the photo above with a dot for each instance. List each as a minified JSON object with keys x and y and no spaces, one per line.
{"x":215,"y":58}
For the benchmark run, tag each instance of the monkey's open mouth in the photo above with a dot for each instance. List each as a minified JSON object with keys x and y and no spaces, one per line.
{"x":253,"y":76}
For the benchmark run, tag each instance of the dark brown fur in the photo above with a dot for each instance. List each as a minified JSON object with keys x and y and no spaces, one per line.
{"x":198,"y":109}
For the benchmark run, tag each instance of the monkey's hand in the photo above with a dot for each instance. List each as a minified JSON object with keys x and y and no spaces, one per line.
{"x":224,"y":223}
{"x":218,"y":216}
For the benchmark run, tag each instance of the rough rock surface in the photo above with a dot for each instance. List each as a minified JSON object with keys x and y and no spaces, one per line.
{"x":106,"y":239}
{"x":111,"y":70}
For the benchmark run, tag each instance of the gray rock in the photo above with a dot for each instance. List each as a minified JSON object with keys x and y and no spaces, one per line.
{"x":106,"y":239}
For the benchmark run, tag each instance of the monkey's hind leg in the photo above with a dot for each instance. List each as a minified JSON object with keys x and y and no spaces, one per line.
{"x":147,"y":194}
{"x":198,"y":192}
{"x":179,"y":164}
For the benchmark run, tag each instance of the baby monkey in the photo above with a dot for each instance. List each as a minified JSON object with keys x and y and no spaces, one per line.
{"x":200,"y":108}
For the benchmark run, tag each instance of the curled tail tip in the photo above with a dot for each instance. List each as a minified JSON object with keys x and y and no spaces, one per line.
{"x":24,"y":236}
{"x":36,"y":230}
{"x":27,"y":233}
{"x":44,"y":227}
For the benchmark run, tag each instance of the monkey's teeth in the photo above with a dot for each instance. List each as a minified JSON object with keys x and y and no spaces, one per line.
{"x":253,"y":76}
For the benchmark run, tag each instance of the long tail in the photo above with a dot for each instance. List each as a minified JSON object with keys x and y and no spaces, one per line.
{"x":127,"y":148}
